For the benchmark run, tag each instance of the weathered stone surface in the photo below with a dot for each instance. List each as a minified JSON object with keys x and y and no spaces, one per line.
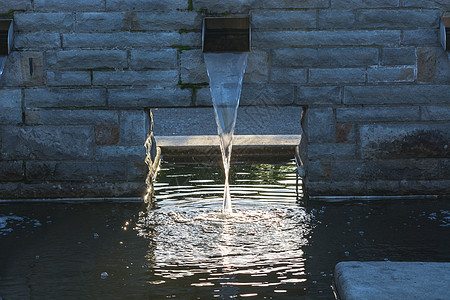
{"x":324,"y":57}
{"x":435,"y":113}
{"x":267,"y":95}
{"x":257,"y":70}
{"x":146,"y":5}
{"x":147,"y":97}
{"x":84,"y":171}
{"x":340,"y":188}
{"x":23,"y":69}
{"x":308,"y":95}
{"x":345,"y":133}
{"x":334,"y":19}
{"x":320,"y":125}
{"x":378,"y":114}
{"x":86,"y":59}
{"x":65,"y":117}
{"x":56,"y":97}
{"x":284,"y":19}
{"x":57,"y":22}
{"x":295,"y":4}
{"x":390,"y":74}
{"x":427,"y":4}
{"x":426,"y":64}
{"x":137,"y":171}
{"x":436,"y":187}
{"x":11,"y":171}
{"x":133,"y":127}
{"x":442,"y":66}
{"x":421,"y":37}
{"x":288,"y":75}
{"x":399,"y":56}
{"x":46,"y":142}
{"x":68,"y":78}
{"x":333,"y":151}
{"x":123,"y":40}
{"x":100,"y":21}
{"x":337,"y":75}
{"x":153,"y":78}
{"x":58,"y":5}
{"x":106,"y":135}
{"x":10,"y":106}
{"x":284,"y":39}
{"x":398,"y":94}
{"x":405,"y":141}
{"x":37,"y":41}
{"x":153,"y":59}
{"x":169,"y":21}
{"x":120,"y":153}
{"x":193,"y":68}
{"x":363,"y":4}
{"x":398,"y":18}
{"x":225,"y":6}
{"x":8,"y":5}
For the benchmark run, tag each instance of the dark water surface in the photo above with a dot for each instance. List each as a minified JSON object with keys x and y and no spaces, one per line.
{"x":272,"y":247}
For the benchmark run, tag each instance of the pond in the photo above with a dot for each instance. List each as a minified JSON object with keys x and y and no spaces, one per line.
{"x":273,"y":246}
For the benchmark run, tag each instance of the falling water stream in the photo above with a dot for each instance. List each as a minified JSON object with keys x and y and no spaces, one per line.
{"x":225,"y":72}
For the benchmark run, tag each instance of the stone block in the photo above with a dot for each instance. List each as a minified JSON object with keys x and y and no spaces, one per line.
{"x":435,"y":113}
{"x":120,"y":153}
{"x":295,"y":4}
{"x":58,"y":97}
{"x":106,"y":135}
{"x":122,"y":40}
{"x":57,"y":22}
{"x":225,"y":6}
{"x":37,"y":41}
{"x":137,"y":171}
{"x":382,"y":187}
{"x":133,"y":127}
{"x":364,"y":4}
{"x":324,"y":95}
{"x":421,"y":37}
{"x":86,"y":59}
{"x":405,"y":141}
{"x":426,"y":64}
{"x":152,"y":78}
{"x":321,"y":125}
{"x":120,"y":5}
{"x":285,"y":39}
{"x":378,"y":114}
{"x":424,"y":187}
{"x":340,"y":188}
{"x":46,"y":142}
{"x":58,"y":5}
{"x":169,"y":21}
{"x":337,"y":75}
{"x":426,"y":4}
{"x":11,"y":171}
{"x":153,"y":59}
{"x":8,"y":5}
{"x":398,"y":18}
{"x":257,"y":70}
{"x":398,"y":94}
{"x":193,"y":68}
{"x":100,"y":21}
{"x":23,"y":69}
{"x":391,"y":74}
{"x":288,"y":75}
{"x":324,"y":57}
{"x":77,"y":117}
{"x":191,"y":39}
{"x":203,"y":97}
{"x":399,"y":56}
{"x":345,"y":133}
{"x":10,"y":106}
{"x":68,"y":78}
{"x":284,"y":19}
{"x":147,"y":97}
{"x":336,"y":19}
{"x":442,"y":66}
{"x":76,"y":171}
{"x":267,"y":95}
{"x":331,"y":151}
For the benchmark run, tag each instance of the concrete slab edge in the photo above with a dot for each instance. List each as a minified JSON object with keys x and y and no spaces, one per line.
{"x":376,"y":198}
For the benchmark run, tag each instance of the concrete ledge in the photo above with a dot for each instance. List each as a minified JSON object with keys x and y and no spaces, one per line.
{"x":392,"y":280}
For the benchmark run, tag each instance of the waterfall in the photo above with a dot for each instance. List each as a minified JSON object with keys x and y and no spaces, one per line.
{"x":225,"y":72}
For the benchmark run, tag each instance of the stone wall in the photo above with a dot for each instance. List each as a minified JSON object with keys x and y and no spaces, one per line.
{"x":370,"y":75}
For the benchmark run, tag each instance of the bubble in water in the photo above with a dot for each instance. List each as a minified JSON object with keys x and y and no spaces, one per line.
{"x":104,"y":275}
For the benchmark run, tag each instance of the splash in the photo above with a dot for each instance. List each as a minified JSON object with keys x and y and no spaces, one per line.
{"x":225,"y":72}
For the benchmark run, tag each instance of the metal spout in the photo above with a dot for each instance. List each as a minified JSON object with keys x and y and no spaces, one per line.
{"x":6,"y":42}
{"x":226,"y":34}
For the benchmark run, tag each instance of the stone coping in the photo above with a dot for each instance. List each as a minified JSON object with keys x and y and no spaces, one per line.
{"x":392,"y":280}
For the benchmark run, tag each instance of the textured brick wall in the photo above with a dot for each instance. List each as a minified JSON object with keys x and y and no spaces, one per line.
{"x":370,"y":75}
